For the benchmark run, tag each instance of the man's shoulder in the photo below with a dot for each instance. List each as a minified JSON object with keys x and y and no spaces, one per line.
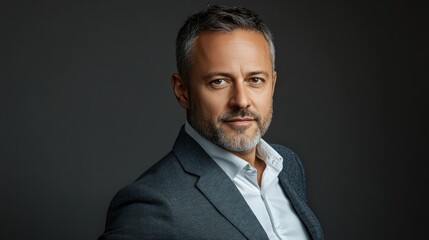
{"x":162,"y":172}
{"x":132,"y":208}
{"x":161,"y":180}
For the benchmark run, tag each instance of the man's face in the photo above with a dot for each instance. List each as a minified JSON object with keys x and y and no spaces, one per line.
{"x":230,"y":90}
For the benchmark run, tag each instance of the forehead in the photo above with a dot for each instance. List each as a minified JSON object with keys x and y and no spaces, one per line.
{"x":229,"y":49}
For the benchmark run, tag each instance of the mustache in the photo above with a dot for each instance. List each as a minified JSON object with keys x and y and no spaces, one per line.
{"x":240,"y":113}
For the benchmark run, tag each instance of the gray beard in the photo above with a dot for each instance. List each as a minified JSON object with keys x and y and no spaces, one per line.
{"x":239,"y":142}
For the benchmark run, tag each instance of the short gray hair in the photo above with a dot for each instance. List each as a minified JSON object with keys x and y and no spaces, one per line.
{"x":216,"y":18}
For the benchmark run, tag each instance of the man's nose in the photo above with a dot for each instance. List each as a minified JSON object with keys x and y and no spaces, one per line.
{"x":239,"y":97}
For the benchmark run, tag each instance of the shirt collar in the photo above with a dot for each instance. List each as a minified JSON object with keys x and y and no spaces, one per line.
{"x":230,"y":163}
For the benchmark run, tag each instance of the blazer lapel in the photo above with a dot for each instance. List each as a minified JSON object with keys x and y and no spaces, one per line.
{"x":301,"y":207}
{"x":217,"y":187}
{"x":230,"y":203}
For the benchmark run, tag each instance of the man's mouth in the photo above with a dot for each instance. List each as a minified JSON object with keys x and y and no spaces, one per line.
{"x":239,"y":120}
{"x":246,"y":119}
{"x":242,"y":117}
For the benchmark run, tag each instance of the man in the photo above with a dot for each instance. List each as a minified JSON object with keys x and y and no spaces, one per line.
{"x":221,"y":180}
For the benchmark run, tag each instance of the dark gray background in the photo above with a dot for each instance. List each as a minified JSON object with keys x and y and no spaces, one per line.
{"x":86,"y":107}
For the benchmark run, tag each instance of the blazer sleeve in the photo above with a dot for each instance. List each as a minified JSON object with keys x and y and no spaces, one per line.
{"x":138,"y":212}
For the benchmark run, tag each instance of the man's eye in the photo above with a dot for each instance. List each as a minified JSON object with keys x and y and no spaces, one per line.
{"x":218,"y":82}
{"x":256,"y":80}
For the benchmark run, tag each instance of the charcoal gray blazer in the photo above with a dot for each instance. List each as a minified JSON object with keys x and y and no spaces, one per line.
{"x":186,"y":195}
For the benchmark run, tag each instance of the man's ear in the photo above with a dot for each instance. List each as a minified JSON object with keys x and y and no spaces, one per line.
{"x":180,"y":90}
{"x":274,"y":80}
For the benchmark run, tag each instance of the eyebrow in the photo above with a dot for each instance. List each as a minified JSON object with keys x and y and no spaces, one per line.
{"x":212,"y":74}
{"x":259,"y":73}
{"x":225,"y":74}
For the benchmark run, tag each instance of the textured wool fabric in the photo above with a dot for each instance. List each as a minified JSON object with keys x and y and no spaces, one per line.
{"x":186,"y":195}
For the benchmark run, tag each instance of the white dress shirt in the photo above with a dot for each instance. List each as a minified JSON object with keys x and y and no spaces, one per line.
{"x":268,"y":202}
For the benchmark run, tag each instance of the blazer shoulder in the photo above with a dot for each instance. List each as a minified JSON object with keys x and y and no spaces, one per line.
{"x":133,"y":209}
{"x":131,"y":214}
{"x":161,"y":168}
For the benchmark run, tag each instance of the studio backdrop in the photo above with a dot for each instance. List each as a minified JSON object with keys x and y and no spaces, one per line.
{"x":87,"y":106}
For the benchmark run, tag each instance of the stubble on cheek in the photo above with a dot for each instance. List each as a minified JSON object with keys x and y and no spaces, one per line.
{"x":214,"y":129}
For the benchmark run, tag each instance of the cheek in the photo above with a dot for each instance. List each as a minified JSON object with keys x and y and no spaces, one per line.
{"x":209,"y":105}
{"x":263,"y":102}
{"x":213,"y":107}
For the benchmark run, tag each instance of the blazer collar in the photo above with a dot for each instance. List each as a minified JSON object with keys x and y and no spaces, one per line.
{"x":226,"y":199}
